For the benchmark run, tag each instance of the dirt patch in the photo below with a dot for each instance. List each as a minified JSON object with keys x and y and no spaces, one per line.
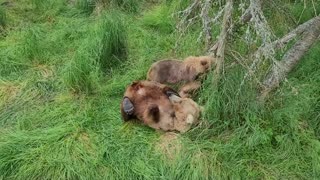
{"x":169,"y":145}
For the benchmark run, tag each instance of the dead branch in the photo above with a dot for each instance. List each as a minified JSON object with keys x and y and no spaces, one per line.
{"x":206,"y":23}
{"x":214,"y":20}
{"x":218,"y":49}
{"x":292,"y":57}
{"x":262,"y":29}
{"x":294,"y":33}
{"x":188,"y":17}
{"x":268,"y":49}
{"x":185,"y":14}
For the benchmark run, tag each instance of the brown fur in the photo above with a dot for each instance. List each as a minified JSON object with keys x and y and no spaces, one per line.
{"x":158,"y":106}
{"x":151,"y":104}
{"x":187,"y":113}
{"x":175,"y":71}
{"x":189,"y":88}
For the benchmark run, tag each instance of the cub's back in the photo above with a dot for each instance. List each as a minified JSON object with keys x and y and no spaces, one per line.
{"x":162,"y":71}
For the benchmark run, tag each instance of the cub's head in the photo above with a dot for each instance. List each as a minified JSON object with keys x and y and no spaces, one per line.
{"x":201,"y":64}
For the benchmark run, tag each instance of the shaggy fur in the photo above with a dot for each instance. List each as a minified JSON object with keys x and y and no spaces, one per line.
{"x":149,"y":102}
{"x":176,"y":71}
{"x":158,"y":106}
{"x":187,"y":113}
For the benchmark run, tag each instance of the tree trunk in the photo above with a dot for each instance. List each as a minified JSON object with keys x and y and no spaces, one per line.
{"x":280,"y":69}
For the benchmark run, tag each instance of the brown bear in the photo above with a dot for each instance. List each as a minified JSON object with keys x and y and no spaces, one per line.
{"x":176,"y":71}
{"x":149,"y":102}
{"x":187,"y":113}
{"x":158,"y":106}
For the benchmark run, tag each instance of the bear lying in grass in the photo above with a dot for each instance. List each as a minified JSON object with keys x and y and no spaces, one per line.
{"x":187,"y":112}
{"x":176,"y":71}
{"x":158,"y":106}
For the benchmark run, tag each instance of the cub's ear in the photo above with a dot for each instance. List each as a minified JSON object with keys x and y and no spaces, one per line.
{"x":127,"y":109}
{"x":204,"y":63}
{"x":169,"y":92}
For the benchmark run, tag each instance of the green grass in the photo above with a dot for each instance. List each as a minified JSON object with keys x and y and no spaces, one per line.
{"x":159,"y":19}
{"x":87,"y":6}
{"x":64,"y":69}
{"x":3,"y":19}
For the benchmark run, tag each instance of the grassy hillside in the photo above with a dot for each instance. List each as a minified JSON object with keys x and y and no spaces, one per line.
{"x":64,"y":66}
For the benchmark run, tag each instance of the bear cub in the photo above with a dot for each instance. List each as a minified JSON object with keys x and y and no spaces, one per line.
{"x":175,"y":71}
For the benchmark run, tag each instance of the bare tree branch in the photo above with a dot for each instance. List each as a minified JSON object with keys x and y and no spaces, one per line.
{"x":262,"y":29}
{"x":206,"y":21}
{"x":294,"y":33}
{"x":186,"y":20}
{"x":218,"y":49}
{"x":291,"y":58}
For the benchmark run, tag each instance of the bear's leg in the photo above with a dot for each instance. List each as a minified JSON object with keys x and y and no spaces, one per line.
{"x":127,"y":109}
{"x":189,"y":88}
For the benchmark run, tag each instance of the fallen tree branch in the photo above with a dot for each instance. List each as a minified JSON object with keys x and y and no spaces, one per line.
{"x":218,"y":50}
{"x":294,"y":33}
{"x":186,"y":13}
{"x":186,"y":20}
{"x":267,"y":49}
{"x":206,"y":23}
{"x":263,"y":30}
{"x":280,"y":69}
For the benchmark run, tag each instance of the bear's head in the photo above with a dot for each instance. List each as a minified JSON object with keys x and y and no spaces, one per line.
{"x":201,"y":64}
{"x":148,"y":102}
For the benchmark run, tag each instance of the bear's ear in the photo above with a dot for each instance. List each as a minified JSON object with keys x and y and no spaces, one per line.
{"x":169,"y":92}
{"x":136,"y":85}
{"x":127,"y":109}
{"x":175,"y":99}
{"x":204,"y":63}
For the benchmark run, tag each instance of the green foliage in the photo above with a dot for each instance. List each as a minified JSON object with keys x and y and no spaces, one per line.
{"x":103,"y":48}
{"x":159,"y":18}
{"x":127,"y":5}
{"x":87,"y":6}
{"x":50,"y":132}
{"x":3,"y":19}
{"x":47,"y":8}
{"x":31,"y":158}
{"x":81,"y":72}
{"x":304,"y":10}
{"x":114,"y":40}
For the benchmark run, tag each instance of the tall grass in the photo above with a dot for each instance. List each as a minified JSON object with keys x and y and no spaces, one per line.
{"x":48,"y":8}
{"x":127,"y":5}
{"x":3,"y":19}
{"x":102,"y":49}
{"x":114,"y":40}
{"x":49,"y":132}
{"x":87,"y":6}
{"x":159,"y":18}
